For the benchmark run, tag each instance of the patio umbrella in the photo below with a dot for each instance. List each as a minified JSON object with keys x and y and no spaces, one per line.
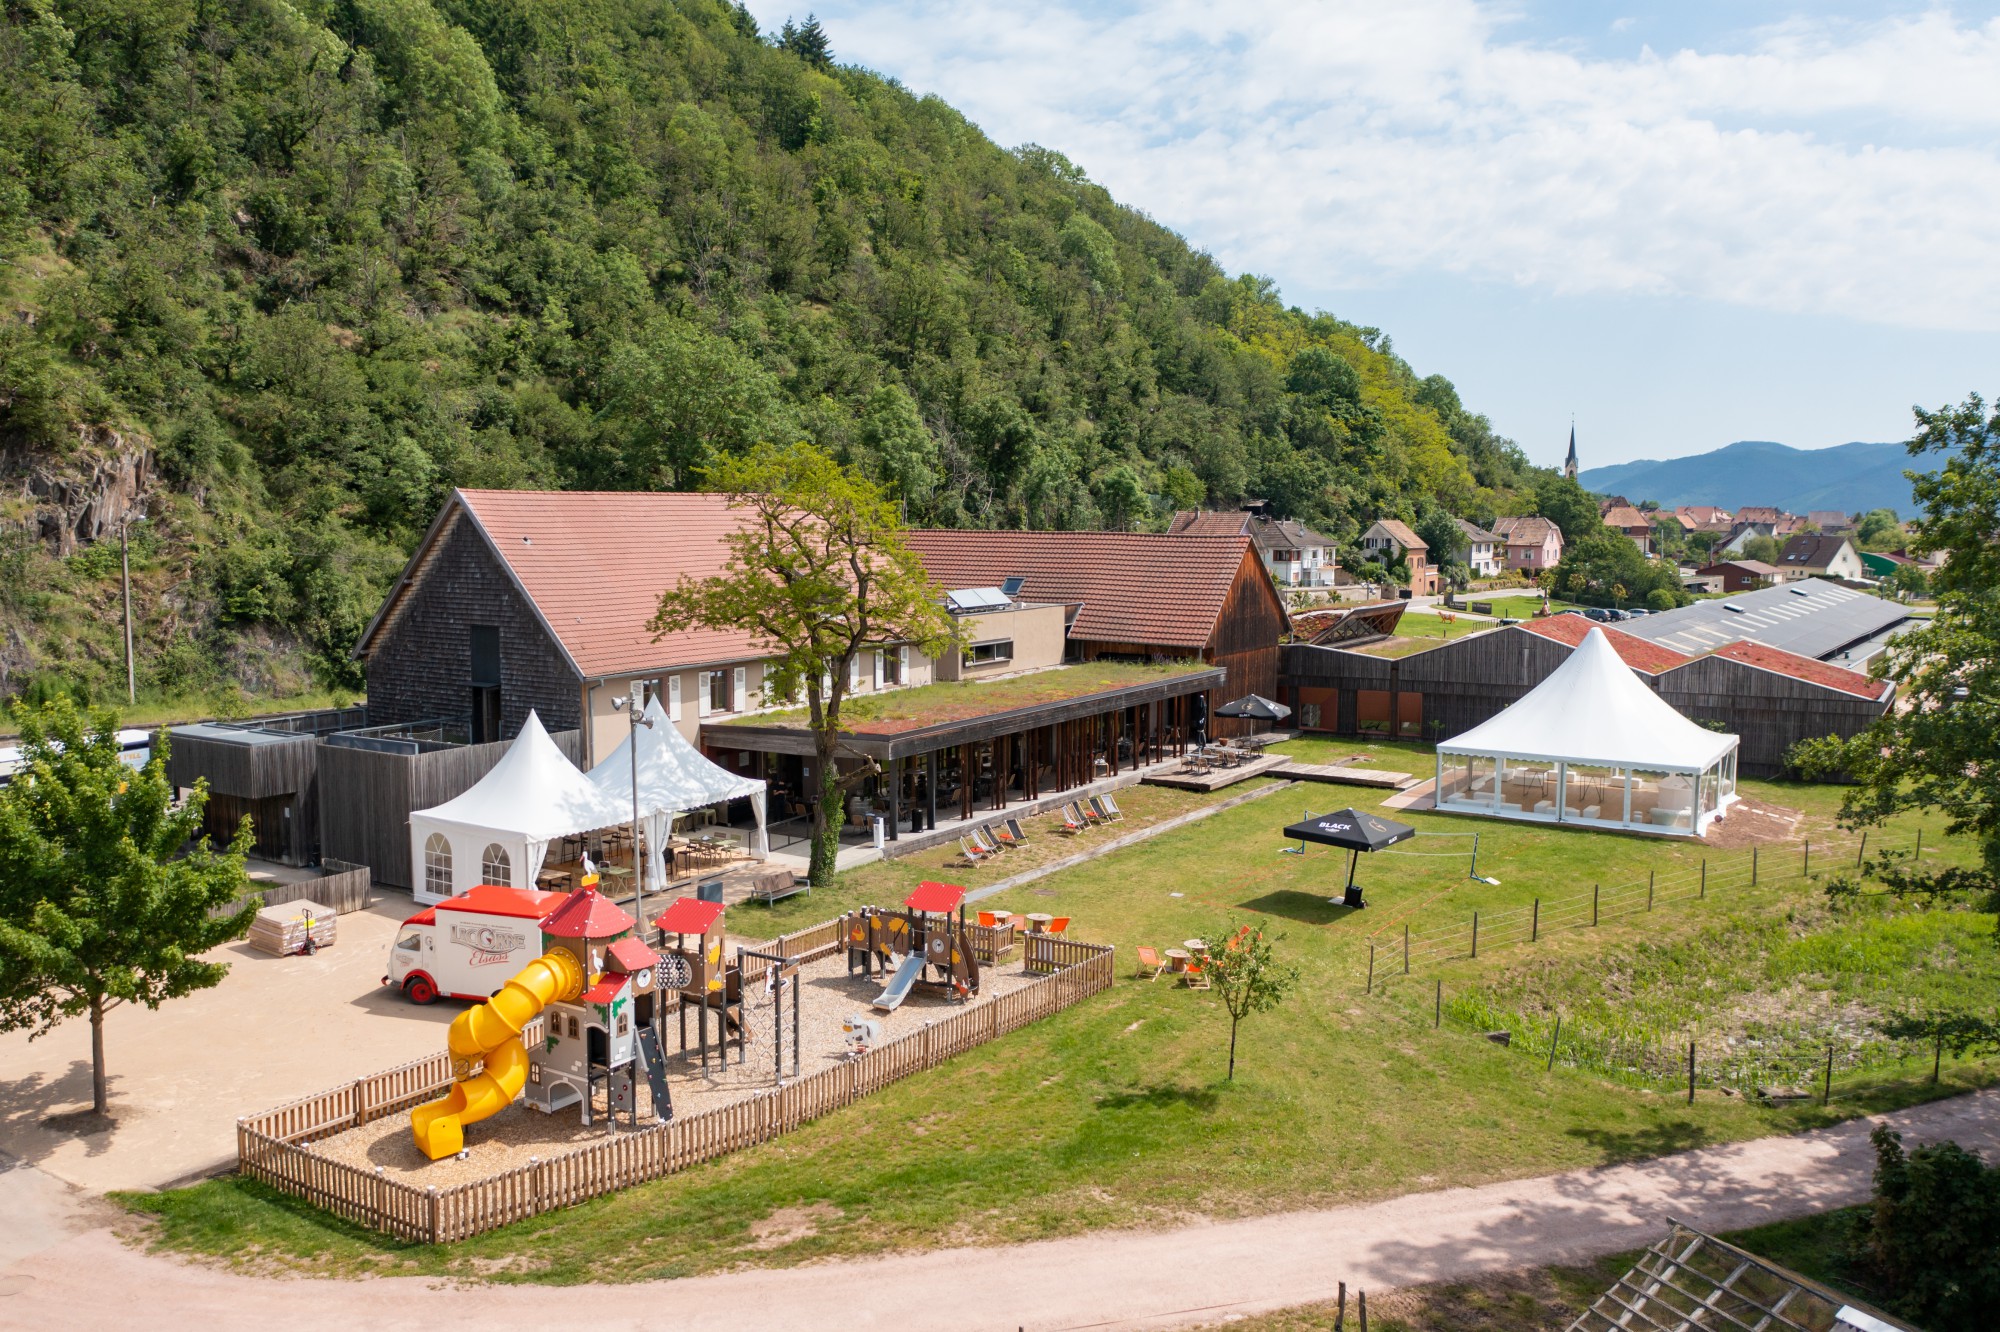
{"x":1255,"y":707}
{"x":1356,"y":832}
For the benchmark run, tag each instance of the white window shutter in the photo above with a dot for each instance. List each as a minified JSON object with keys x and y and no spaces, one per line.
{"x":701,"y":693}
{"x":878,"y":668}
{"x":673,"y":698}
{"x":826,"y":684}
{"x":854,"y":673}
{"x":739,"y":696}
{"x":903,"y":664}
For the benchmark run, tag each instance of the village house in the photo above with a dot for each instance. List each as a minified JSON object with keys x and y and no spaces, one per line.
{"x":1830,"y":520}
{"x":1817,"y":555}
{"x":1296,"y":555}
{"x":1484,"y":551}
{"x":1743,"y":575}
{"x":1622,"y":516}
{"x":1703,"y":518}
{"x":1390,"y":539}
{"x":1532,"y":544}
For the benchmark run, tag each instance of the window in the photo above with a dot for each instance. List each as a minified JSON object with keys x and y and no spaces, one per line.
{"x":410,"y":942}
{"x":483,"y":650}
{"x":721,"y":698}
{"x":437,"y":865}
{"x":895,"y":666}
{"x":986,"y":654}
{"x":495,"y":866}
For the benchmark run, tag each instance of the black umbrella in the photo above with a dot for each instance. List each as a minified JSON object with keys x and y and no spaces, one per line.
{"x":1256,"y":707}
{"x":1357,"y":832}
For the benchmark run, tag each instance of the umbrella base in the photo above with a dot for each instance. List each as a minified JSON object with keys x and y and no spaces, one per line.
{"x":1352,"y":897}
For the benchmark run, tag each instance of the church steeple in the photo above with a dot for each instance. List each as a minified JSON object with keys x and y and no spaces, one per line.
{"x":1569,"y":463}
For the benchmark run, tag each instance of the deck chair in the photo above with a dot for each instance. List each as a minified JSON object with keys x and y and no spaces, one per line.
{"x":974,"y":853}
{"x":1150,"y":961}
{"x":1019,"y":922}
{"x":1086,"y":813}
{"x":1017,"y":832}
{"x":1102,"y":808}
{"x":984,"y":837}
{"x":1111,"y":803}
{"x":1070,"y":823}
{"x":1003,"y":834}
{"x":1056,"y":926}
{"x":1196,"y":975}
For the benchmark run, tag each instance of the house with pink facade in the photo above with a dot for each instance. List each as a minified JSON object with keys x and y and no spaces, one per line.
{"x":1533,"y":544}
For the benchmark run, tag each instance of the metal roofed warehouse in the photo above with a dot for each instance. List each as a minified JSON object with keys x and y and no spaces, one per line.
{"x":1813,"y":618}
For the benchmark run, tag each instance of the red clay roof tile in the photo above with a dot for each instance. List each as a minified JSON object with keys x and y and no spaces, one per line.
{"x":1130,"y":587}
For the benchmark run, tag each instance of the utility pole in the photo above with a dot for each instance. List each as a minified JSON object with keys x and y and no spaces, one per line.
{"x":634,"y":707}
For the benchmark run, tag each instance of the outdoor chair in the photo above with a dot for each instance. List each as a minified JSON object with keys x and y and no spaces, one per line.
{"x":1017,"y":832}
{"x":974,"y":854}
{"x":987,"y":842}
{"x":1018,"y":923}
{"x":1150,"y":961}
{"x":1086,"y":812}
{"x":1111,"y":803}
{"x":1196,"y":975}
{"x":1000,"y":833}
{"x":1057,"y":925}
{"x":1070,"y":822}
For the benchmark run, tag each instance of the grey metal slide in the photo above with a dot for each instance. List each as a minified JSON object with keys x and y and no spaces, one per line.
{"x":899,"y":984}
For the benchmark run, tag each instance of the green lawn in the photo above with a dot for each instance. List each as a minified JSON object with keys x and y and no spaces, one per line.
{"x":1115,"y":1113}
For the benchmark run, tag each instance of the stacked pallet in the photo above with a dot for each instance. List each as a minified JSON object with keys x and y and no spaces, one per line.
{"x":291,"y":927}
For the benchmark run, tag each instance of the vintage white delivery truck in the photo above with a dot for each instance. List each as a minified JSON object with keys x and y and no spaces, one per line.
{"x":469,"y":946}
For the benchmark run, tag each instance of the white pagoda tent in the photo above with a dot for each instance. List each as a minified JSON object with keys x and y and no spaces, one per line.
{"x":500,"y":829}
{"x":673,"y":777}
{"x":1593,"y":746}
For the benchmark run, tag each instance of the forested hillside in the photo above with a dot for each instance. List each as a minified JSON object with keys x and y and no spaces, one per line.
{"x":283,"y":274}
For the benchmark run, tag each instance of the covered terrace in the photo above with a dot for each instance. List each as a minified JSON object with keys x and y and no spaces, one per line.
{"x":953,"y":750}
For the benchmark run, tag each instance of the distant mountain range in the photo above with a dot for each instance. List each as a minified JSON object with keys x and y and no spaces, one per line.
{"x":1849,"y":477}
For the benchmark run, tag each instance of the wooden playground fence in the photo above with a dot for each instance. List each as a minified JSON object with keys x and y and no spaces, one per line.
{"x":272,"y":1147}
{"x":1403,"y":951}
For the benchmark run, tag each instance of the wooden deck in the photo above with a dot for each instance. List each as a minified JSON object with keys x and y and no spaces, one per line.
{"x":1339,"y":776}
{"x":1215,"y":778}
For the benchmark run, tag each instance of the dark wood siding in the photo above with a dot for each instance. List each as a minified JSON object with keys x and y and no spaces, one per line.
{"x":272,"y":781}
{"x":421,"y":664}
{"x":1769,"y":712}
{"x":368,"y":796}
{"x":1246,"y":643}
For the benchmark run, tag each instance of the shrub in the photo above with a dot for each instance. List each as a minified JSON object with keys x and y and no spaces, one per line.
{"x":1932,"y":1237}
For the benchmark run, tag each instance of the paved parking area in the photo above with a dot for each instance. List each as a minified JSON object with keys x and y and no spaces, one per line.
{"x":275,"y":1029}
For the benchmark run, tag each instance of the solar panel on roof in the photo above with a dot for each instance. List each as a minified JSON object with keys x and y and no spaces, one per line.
{"x":971,"y":600}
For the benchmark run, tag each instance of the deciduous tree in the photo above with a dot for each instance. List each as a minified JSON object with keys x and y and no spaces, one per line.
{"x":1246,"y":971}
{"x":101,"y":901}
{"x":818,"y":572}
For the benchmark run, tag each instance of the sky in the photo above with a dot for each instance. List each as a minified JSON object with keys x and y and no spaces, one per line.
{"x":1681,"y":225}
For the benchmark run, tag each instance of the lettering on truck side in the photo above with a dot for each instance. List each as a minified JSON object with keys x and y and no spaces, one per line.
{"x":489,"y":946}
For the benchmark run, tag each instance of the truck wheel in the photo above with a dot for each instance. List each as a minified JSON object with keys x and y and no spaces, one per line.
{"x":420,"y":989}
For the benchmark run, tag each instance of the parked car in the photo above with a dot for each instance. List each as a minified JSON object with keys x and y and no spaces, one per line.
{"x":1600,"y":614}
{"x":1637,"y":611}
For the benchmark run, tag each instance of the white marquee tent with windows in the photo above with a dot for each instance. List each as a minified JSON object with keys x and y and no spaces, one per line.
{"x":1593,"y":746}
{"x":673,"y":777}
{"x":500,"y":829}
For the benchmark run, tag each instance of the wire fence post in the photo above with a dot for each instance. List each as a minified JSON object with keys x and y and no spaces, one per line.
{"x":1826,"y":1088}
{"x":1861,"y":854}
{"x":1920,"y":844}
{"x":1593,"y":902}
{"x":1704,"y":878}
{"x":1340,"y":1311}
{"x":1690,"y":1072}
{"x":1753,"y":867}
{"x":1937,"y":1057}
{"x":1649,"y":890}
{"x":1437,"y":1014}
{"x":1805,"y":864}
{"x":1535,"y":923}
{"x":1475,"y":934}
{"x":1406,"y":950}
{"x":1553,"y":1042}
{"x":1371,"y":970}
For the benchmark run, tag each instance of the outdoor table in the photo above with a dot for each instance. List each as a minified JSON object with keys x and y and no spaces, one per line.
{"x":1195,"y":946}
{"x":1038,"y":921}
{"x":1177,"y":960}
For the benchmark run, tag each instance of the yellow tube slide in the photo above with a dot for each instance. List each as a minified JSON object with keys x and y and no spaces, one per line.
{"x":491,"y":1036}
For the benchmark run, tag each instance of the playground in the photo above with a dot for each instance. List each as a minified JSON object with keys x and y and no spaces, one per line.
{"x":828,"y":995}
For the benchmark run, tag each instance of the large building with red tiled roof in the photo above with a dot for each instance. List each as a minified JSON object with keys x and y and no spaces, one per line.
{"x":1649,"y":658}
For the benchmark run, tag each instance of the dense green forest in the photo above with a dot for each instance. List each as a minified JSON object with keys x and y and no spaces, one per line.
{"x":287,"y":272}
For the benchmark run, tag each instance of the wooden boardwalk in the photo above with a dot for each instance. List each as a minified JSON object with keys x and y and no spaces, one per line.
{"x":1215,"y":778}
{"x":1339,"y":776}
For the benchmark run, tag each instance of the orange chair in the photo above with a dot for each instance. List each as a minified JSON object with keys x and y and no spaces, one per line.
{"x":1057,"y":925}
{"x":989,"y":918}
{"x":1150,"y":961}
{"x":1196,"y":975}
{"x":1019,"y":922}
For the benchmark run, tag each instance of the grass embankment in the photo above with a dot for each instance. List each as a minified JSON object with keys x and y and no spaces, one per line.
{"x":1116,"y":1113}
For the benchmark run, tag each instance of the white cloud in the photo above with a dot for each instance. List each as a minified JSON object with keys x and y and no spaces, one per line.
{"x":1820,"y":167}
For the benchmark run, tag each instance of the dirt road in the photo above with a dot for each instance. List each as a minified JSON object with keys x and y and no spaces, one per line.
{"x":1122,"y":1280}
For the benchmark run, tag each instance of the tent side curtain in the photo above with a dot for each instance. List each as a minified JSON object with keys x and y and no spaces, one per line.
{"x":673,"y":777}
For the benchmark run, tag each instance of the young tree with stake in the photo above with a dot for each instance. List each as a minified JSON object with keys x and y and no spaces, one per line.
{"x":100,"y":902}
{"x":1251,"y":979}
{"x":818,"y":572}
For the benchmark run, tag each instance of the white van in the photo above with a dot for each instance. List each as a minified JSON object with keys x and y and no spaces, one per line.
{"x":469,"y":946}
